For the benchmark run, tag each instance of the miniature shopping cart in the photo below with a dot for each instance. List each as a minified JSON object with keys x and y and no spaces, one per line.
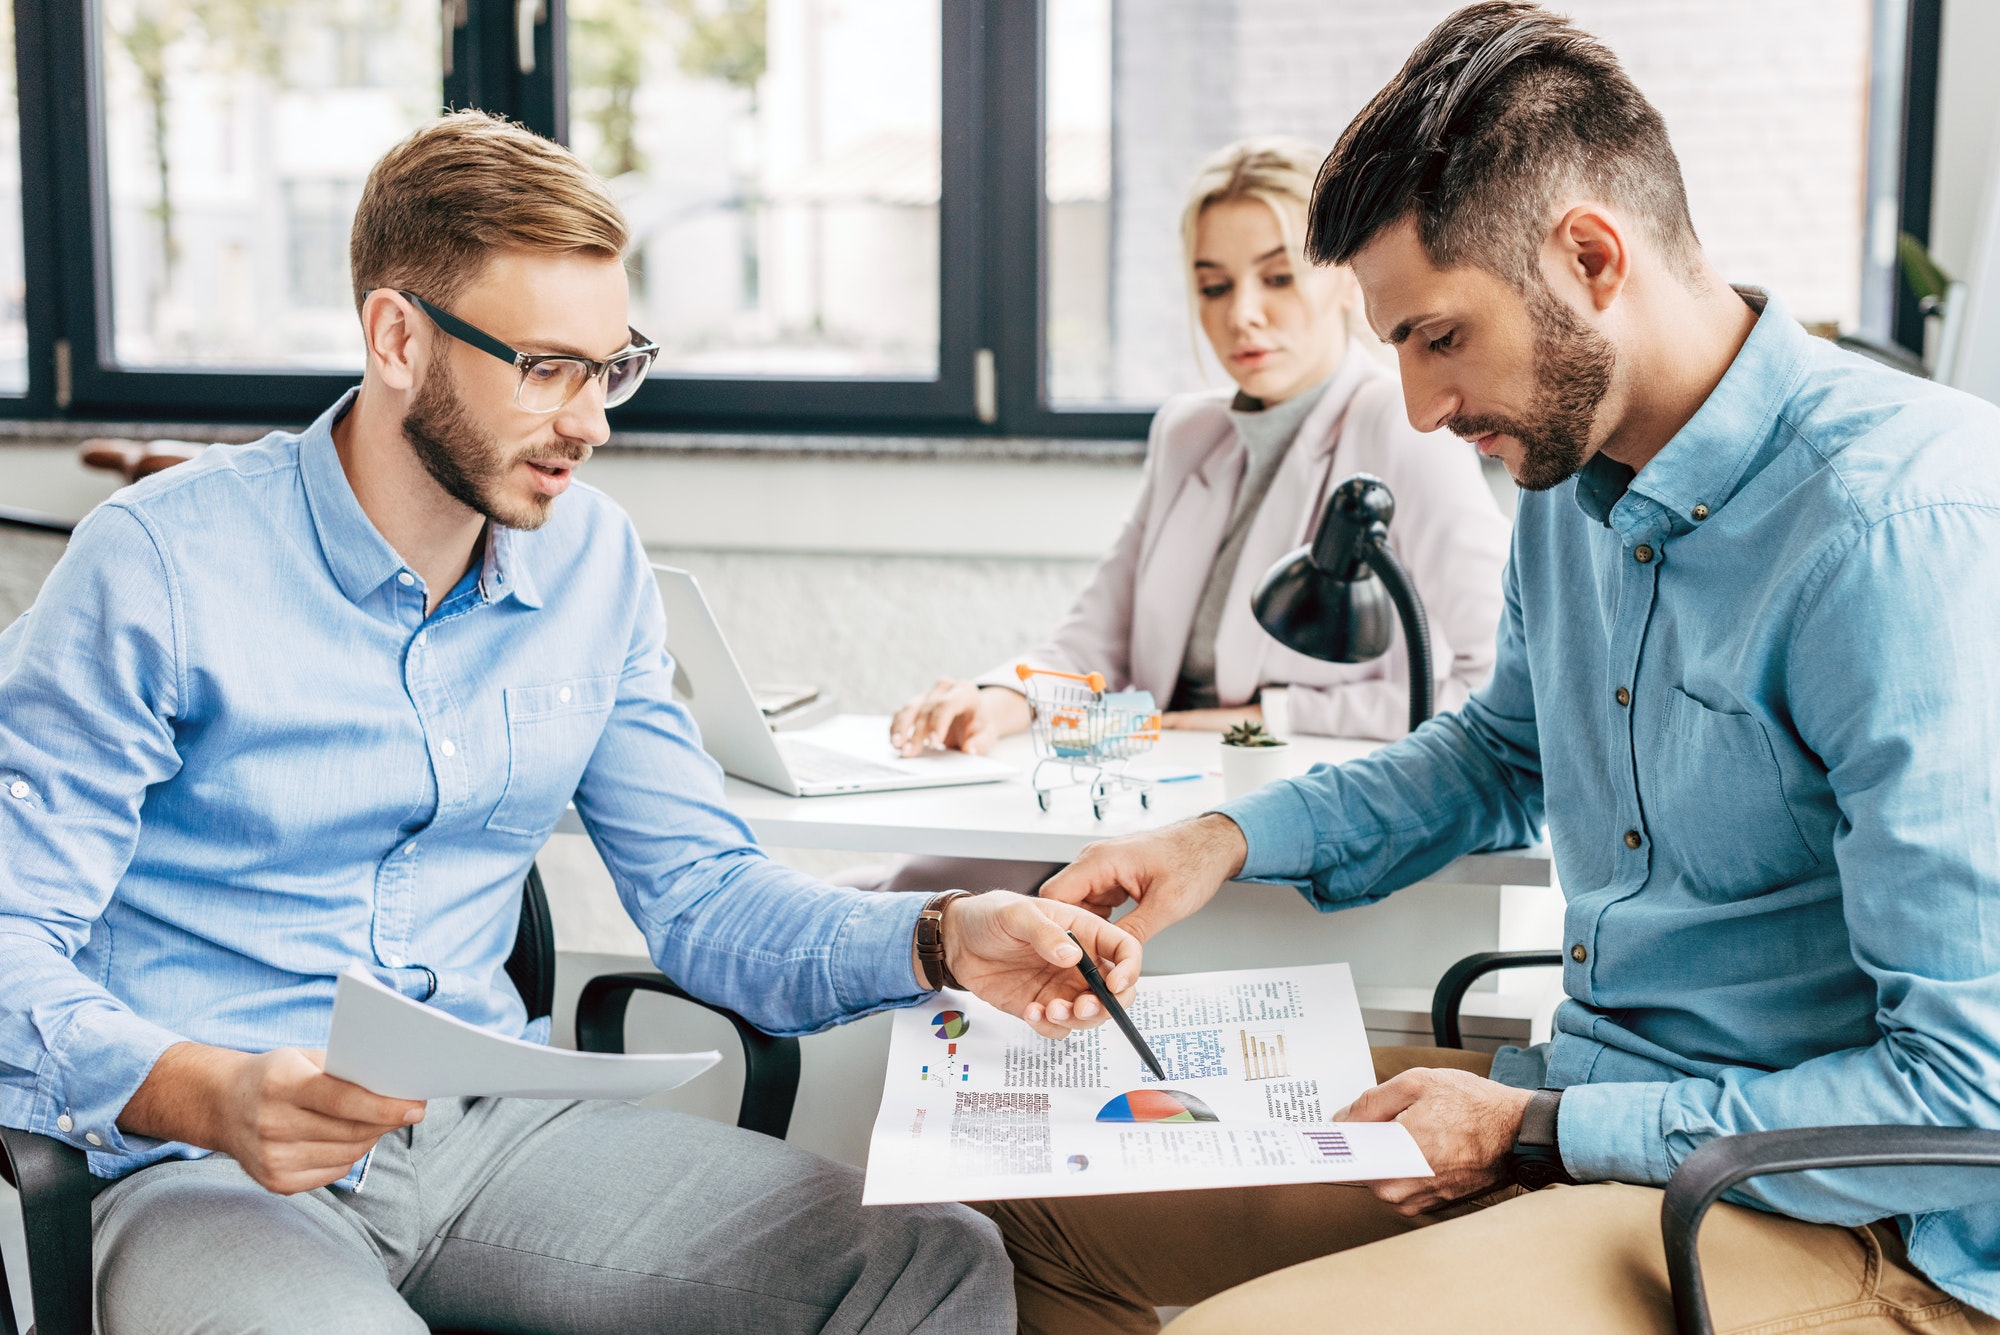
{"x":1085,"y":734}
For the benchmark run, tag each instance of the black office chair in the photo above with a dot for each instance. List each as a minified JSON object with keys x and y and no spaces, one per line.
{"x":57,"y":1188}
{"x":1730,"y":1161}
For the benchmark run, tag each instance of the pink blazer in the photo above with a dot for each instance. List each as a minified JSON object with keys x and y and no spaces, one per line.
{"x":1132,"y":621}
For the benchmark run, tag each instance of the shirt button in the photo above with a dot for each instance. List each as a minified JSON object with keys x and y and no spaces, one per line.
{"x":1642,"y":553}
{"x":406,"y":579}
{"x":393,"y":961}
{"x":1578,"y":953}
{"x":446,"y":747}
{"x":409,"y":848}
{"x":1700,"y":512}
{"x":1624,"y":696}
{"x":1632,"y":839}
{"x":423,"y":636}
{"x":93,"y":1137}
{"x":18,"y":789}
{"x":65,"y":1123}
{"x":563,"y":695}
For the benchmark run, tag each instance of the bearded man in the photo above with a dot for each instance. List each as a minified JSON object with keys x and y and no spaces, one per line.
{"x":318,"y":701}
{"x":1745,"y":666}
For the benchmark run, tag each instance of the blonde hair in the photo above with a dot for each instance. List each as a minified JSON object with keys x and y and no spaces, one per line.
{"x":1278,"y":171}
{"x":439,"y":204}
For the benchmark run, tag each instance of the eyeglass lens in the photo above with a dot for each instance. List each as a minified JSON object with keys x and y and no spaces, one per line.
{"x":548,"y":385}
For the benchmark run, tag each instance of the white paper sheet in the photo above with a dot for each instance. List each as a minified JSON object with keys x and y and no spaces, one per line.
{"x":404,"y":1049}
{"x":977,"y":1106}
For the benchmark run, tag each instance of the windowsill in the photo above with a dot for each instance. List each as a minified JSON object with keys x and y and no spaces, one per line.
{"x":962,"y":497}
{"x":690,"y":443}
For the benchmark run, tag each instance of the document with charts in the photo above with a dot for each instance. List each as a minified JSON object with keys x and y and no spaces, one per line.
{"x":977,"y":1106}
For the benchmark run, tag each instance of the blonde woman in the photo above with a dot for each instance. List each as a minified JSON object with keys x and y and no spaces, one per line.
{"x":1234,"y":480}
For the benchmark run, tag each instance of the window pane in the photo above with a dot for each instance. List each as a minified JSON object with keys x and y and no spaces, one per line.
{"x":237,"y":136}
{"x":13,"y":287}
{"x":1766,"y":104}
{"x":779,"y":165}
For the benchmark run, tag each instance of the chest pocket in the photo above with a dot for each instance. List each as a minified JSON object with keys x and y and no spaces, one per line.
{"x":551,"y":731}
{"x":1717,"y":806}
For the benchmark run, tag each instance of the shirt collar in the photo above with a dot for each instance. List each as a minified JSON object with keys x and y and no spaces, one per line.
{"x":1706,"y":461}
{"x":360,"y":558}
{"x":505,"y":571}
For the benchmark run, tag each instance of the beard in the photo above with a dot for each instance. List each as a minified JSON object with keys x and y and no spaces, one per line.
{"x":1573,"y":364}
{"x":464,"y":459}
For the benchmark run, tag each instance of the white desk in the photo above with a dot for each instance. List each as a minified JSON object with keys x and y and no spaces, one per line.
{"x":1487,"y":901}
{"x":1002,"y":820}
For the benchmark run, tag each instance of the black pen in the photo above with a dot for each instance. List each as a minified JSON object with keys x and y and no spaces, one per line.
{"x":1088,"y":968}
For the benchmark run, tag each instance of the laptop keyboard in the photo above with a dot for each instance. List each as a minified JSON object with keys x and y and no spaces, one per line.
{"x":823,"y":764}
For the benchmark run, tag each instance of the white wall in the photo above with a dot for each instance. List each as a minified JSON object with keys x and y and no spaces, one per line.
{"x":1968,"y":133}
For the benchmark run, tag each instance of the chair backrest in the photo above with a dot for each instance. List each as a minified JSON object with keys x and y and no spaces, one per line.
{"x":532,"y":966}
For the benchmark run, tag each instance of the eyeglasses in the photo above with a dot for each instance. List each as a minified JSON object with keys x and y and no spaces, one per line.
{"x":548,"y":381}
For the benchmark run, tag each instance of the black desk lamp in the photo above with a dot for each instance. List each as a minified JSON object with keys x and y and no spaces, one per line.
{"x":1325,"y":601}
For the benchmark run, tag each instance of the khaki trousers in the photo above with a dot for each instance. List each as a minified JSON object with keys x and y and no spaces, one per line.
{"x":1333,"y":1258}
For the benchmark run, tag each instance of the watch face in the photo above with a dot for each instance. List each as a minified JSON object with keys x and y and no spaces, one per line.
{"x":1538,"y":1168}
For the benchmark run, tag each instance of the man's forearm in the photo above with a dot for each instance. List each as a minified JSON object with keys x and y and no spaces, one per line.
{"x":1363,"y":829}
{"x":1220,"y":844}
{"x":178,"y":1098}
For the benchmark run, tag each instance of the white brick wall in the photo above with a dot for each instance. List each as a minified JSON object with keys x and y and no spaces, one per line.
{"x":1766,"y":103}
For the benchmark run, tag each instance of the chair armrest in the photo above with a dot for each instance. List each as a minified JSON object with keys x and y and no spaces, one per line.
{"x":56,"y":1190}
{"x":1723,"y":1163}
{"x":1460,"y":977}
{"x":770,"y":1065}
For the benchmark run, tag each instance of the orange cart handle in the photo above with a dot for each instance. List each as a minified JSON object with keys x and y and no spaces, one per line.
{"x":1094,"y":680}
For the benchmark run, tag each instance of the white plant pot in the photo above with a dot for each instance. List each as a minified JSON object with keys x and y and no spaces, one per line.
{"x":1248,"y":768}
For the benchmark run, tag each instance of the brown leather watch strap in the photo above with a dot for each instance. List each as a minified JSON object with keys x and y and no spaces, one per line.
{"x":930,"y":941}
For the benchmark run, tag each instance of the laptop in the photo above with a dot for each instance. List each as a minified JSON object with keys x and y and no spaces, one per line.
{"x":823,"y":761}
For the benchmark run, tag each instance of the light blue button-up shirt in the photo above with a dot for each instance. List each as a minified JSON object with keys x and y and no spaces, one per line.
{"x":236,"y":756}
{"x":1782,"y":858}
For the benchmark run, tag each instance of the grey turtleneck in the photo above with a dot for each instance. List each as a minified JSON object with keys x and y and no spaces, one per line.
{"x":1267,"y":435}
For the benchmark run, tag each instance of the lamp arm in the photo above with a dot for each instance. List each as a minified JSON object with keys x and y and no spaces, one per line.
{"x":1416,"y":626}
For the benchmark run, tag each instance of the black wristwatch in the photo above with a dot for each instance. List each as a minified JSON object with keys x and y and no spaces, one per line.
{"x":1536,"y":1160}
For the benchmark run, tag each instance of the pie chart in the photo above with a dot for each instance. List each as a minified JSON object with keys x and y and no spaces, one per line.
{"x":951,"y":1024}
{"x":1156,"y":1105}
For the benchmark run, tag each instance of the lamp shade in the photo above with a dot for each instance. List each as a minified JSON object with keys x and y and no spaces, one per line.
{"x":1324,"y":600}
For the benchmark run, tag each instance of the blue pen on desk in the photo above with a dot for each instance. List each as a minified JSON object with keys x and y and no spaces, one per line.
{"x":1088,"y":968}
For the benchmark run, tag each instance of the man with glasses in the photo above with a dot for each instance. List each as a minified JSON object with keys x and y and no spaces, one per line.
{"x":318,"y":701}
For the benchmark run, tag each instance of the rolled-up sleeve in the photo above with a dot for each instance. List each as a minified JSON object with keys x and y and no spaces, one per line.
{"x":90,"y":681}
{"x":788,"y":952}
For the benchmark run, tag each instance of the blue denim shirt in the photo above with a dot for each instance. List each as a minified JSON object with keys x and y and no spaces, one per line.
{"x":236,"y":756}
{"x":1782,"y":857}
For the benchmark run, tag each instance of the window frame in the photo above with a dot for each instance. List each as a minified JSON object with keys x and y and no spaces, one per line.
{"x":992,"y":239}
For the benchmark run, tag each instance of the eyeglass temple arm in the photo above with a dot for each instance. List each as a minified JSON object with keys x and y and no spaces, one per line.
{"x":464,"y":332}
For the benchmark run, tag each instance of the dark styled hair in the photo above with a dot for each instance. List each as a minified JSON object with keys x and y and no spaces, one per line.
{"x":1500,"y":111}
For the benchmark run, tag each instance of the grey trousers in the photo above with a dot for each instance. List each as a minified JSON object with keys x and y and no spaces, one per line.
{"x":515,"y":1215}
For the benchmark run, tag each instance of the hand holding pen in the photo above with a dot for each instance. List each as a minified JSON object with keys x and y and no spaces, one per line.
{"x":1020,"y":954}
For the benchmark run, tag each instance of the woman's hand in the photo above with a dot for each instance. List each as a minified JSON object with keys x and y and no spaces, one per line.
{"x":1212,"y":720}
{"x":958,"y":716}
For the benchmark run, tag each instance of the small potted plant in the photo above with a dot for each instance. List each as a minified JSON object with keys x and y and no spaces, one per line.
{"x":1251,"y":758}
